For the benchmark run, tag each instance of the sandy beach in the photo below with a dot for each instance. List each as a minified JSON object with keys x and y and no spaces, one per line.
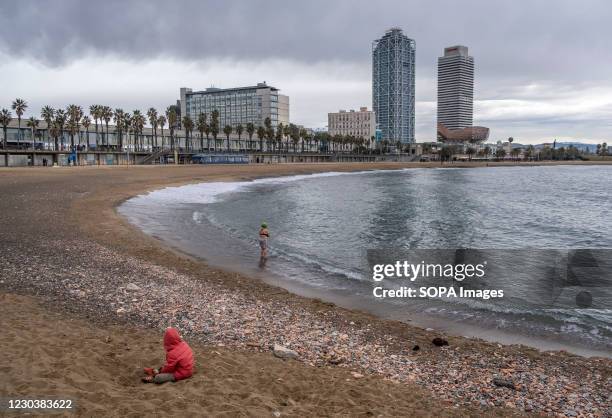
{"x":85,"y":297}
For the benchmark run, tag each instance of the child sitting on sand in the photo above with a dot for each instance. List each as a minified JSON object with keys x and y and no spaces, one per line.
{"x":179,"y":360}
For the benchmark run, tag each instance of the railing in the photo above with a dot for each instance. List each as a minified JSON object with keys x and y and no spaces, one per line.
{"x":152,"y":158}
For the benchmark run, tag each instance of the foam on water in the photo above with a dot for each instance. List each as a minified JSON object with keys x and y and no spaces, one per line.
{"x":210,"y":192}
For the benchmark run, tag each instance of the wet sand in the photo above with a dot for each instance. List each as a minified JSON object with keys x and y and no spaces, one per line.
{"x":62,"y":243}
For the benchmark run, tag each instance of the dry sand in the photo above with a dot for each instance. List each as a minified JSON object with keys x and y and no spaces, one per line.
{"x":54,"y":355}
{"x":56,"y":348}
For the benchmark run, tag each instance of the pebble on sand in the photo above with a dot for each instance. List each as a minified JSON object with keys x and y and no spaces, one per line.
{"x":439,"y":342}
{"x":284,"y":352}
{"x":132,"y":287}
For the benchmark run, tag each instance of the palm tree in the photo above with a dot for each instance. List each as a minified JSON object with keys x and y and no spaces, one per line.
{"x":107,"y":115}
{"x":152,"y":114}
{"x":261,"y":134}
{"x":201,"y":127}
{"x":287,"y":134}
{"x":446,"y":153}
{"x":529,"y":152}
{"x":239,"y":131}
{"x":133,"y":126}
{"x":75,"y":113}
{"x":5,"y":119}
{"x":19,"y":106}
{"x":161,"y":121}
{"x":303,"y":134}
{"x":171,"y":117}
{"x":188,"y":126}
{"x":60,"y":120}
{"x":250,"y":128}
{"x":227,"y":130}
{"x":500,"y":153}
{"x":94,"y":111}
{"x":280,"y":132}
{"x":269,"y":132}
{"x":54,"y":132}
{"x":138,"y":121}
{"x":470,"y":152}
{"x":336,"y":140}
{"x":207,"y":133}
{"x":308,"y":138}
{"x":214,"y":127}
{"x":47,"y":113}
{"x":86,"y":122}
{"x":118,"y":116}
{"x":127,"y":126}
{"x":72,"y":129}
{"x":294,"y":134}
{"x":32,"y":123}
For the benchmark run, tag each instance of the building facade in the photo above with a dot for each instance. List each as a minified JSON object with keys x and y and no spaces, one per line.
{"x":361,"y":124}
{"x":456,"y":88}
{"x":237,"y":106}
{"x":393,"y":85}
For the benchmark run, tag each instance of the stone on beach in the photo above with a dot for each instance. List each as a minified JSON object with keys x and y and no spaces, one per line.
{"x":284,"y":352}
{"x":501,"y":382}
{"x":439,"y":342}
{"x":132,"y":287}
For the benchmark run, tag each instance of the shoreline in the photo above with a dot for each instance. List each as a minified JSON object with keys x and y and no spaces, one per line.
{"x":234,"y":265}
{"x":91,"y":228}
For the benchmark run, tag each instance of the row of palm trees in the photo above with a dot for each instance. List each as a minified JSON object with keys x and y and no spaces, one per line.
{"x":283,"y":138}
{"x":528,"y":153}
{"x":129,"y":131}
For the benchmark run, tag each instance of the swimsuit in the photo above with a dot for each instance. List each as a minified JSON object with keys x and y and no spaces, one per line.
{"x":263,"y":240}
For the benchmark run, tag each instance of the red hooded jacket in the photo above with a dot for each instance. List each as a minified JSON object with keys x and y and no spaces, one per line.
{"x":179,"y":357}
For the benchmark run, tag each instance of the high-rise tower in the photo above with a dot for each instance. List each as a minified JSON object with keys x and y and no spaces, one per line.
{"x":455,"y":88}
{"x":393,"y":85}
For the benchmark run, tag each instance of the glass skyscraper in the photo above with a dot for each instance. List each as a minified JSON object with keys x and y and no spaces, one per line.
{"x":393,"y":85}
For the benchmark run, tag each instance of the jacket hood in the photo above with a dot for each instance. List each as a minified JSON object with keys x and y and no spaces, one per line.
{"x":171,"y":338}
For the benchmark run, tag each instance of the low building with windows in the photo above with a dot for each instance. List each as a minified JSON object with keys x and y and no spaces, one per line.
{"x":237,"y":106}
{"x":360,"y":124}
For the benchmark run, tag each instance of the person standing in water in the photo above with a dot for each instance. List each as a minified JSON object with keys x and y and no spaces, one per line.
{"x":264,"y":234}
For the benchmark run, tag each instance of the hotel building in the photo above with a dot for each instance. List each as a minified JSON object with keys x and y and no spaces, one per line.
{"x":361,"y":124}
{"x":237,"y":106}
{"x":393,"y":85}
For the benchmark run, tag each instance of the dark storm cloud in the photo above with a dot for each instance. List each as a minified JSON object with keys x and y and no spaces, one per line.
{"x":545,"y":40}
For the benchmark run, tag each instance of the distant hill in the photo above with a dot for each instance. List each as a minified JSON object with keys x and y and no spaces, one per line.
{"x":580,"y":145}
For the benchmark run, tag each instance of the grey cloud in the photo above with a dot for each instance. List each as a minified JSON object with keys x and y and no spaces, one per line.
{"x":546,"y":40}
{"x":559,"y":47}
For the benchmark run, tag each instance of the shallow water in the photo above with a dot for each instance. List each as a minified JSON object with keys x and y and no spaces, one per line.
{"x":322,"y":226}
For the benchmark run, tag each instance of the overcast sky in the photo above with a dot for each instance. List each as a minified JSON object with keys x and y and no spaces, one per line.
{"x":543,"y":68}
